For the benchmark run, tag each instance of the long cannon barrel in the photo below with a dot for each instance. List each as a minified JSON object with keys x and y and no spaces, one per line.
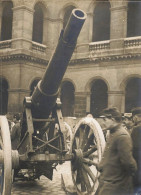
{"x":45,"y":94}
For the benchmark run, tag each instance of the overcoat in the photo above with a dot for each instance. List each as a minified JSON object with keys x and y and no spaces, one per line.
{"x":136,"y":137}
{"x":117,"y":165}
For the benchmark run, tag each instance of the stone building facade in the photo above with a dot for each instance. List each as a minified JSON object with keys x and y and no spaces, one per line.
{"x":104,"y":70}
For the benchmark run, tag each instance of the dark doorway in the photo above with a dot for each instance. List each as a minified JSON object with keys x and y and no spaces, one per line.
{"x":101,"y":21}
{"x":7,"y":18}
{"x":99,"y":97}
{"x":37,"y":35}
{"x":134,"y":18}
{"x":3,"y":96}
{"x":67,"y":99}
{"x":132,"y":94}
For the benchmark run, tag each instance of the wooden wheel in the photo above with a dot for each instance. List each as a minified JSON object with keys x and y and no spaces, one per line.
{"x":87,"y":147}
{"x":6,"y":158}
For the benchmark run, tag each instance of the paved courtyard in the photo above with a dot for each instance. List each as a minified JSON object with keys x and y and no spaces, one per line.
{"x":44,"y":186}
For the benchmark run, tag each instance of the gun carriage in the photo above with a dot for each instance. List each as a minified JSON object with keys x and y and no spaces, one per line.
{"x":43,"y":134}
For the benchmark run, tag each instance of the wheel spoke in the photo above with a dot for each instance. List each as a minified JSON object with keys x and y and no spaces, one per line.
{"x":90,"y":173}
{"x":83,"y":187}
{"x":89,"y":142}
{"x":85,"y":136}
{"x":77,"y":142}
{"x":81,"y":137}
{"x":78,"y":177}
{"x":89,"y":152}
{"x":1,"y":143}
{"x":86,"y":180}
{"x":89,"y":162}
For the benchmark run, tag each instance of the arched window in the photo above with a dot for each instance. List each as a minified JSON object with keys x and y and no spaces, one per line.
{"x":67,"y":99}
{"x":67,"y":14}
{"x":99,"y":97}
{"x":37,"y":35}
{"x":134,"y":19}
{"x":3,"y":96}
{"x":33,"y":85}
{"x":132,"y":94}
{"x":101,"y":21}
{"x":7,"y":18}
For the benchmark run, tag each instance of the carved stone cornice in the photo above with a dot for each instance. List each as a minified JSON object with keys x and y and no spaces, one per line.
{"x":19,"y":90}
{"x":23,"y":57}
{"x":105,"y":58}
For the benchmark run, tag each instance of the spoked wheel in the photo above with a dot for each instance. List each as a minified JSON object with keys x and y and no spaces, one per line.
{"x":6,"y":158}
{"x":87,"y":147}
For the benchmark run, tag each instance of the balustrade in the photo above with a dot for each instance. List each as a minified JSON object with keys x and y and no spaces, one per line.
{"x":5,"y":44}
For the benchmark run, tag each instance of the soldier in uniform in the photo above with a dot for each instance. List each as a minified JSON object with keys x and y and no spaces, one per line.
{"x":136,"y":137}
{"x":117,"y":165}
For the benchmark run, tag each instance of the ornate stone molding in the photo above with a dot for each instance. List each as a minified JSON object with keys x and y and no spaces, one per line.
{"x":23,"y":57}
{"x":92,"y":59}
{"x":118,"y":8}
{"x":116,"y":93}
{"x":18,"y":90}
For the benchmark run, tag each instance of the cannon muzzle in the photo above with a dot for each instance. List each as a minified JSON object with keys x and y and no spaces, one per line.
{"x":45,"y":94}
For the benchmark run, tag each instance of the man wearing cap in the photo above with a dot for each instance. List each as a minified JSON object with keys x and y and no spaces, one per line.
{"x":136,"y":137}
{"x":117,"y":165}
{"x":16,"y":132}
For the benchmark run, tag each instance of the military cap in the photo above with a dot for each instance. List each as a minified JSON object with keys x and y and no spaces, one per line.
{"x":136,"y":110}
{"x":112,"y":112}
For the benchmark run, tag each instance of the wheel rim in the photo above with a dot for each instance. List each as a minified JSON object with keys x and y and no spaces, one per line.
{"x":6,"y":165}
{"x":87,"y":147}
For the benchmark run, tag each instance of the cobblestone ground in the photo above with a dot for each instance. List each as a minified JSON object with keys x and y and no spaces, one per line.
{"x":43,"y":186}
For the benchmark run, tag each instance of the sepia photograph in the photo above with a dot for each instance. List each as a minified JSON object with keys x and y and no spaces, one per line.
{"x":70,"y":97}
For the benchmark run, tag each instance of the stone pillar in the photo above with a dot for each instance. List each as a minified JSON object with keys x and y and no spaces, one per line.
{"x":88,"y":102}
{"x":80,"y":104}
{"x":22,"y":27}
{"x":116,"y":98}
{"x":51,"y":34}
{"x":118,"y":26}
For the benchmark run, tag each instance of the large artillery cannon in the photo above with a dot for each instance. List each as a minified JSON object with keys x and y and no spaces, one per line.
{"x":43,"y":135}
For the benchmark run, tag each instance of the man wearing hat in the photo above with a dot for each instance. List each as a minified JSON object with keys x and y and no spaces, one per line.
{"x":117,"y":165}
{"x":136,"y":137}
{"x":16,"y":132}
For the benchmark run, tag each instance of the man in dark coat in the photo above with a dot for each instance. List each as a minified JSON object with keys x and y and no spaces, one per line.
{"x":136,"y":137}
{"x":16,"y":132}
{"x":117,"y":165}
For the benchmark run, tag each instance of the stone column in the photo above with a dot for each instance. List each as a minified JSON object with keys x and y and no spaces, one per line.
{"x":22,"y":27}
{"x":118,"y":26}
{"x":116,"y":98}
{"x":80,"y":104}
{"x":51,"y":34}
{"x":88,"y":102}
